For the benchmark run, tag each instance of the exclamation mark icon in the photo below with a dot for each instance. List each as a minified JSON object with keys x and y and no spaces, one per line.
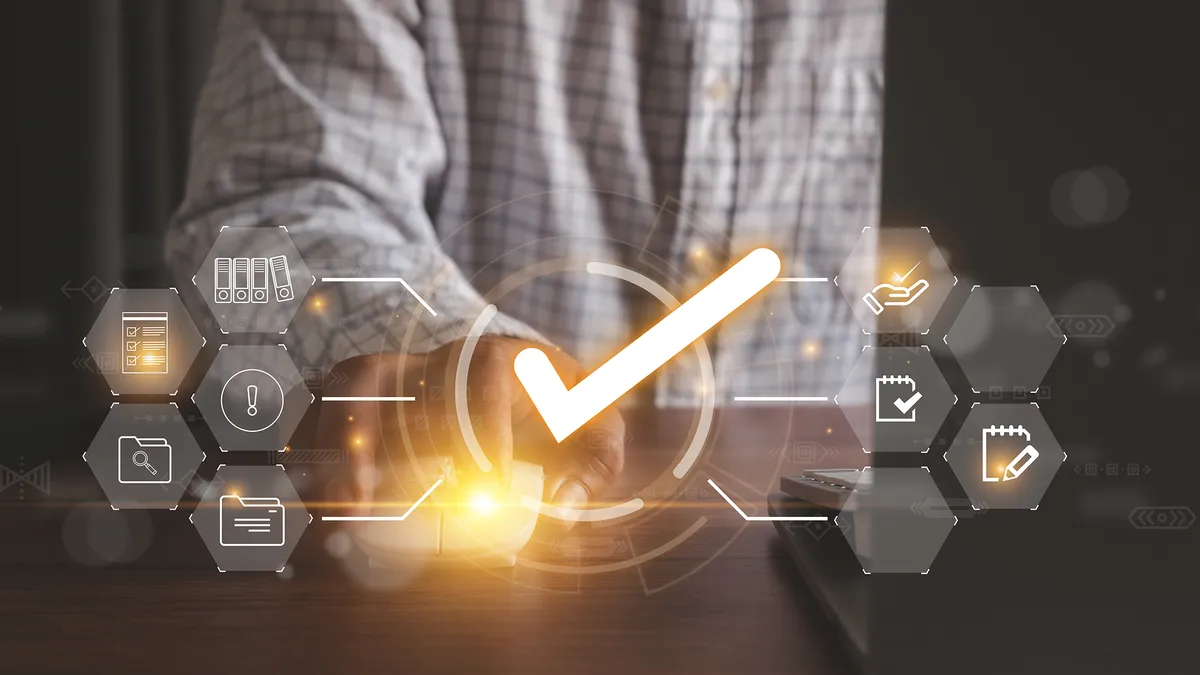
{"x":252,"y":400}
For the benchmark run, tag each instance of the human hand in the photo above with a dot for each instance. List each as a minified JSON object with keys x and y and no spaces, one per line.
{"x":501,"y":415}
{"x":895,"y":296}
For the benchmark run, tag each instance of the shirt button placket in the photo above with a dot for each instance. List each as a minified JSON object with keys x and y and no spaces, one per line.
{"x":709,"y":180}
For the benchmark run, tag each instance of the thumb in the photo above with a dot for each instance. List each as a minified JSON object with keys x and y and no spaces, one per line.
{"x":598,"y":459}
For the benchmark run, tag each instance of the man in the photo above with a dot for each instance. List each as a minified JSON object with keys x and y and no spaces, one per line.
{"x":494,"y":147}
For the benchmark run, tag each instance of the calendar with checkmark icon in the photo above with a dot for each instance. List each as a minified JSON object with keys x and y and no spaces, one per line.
{"x":896,"y":398}
{"x":911,"y":402}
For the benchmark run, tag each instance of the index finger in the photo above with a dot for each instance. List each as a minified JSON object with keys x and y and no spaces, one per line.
{"x":492,"y":387}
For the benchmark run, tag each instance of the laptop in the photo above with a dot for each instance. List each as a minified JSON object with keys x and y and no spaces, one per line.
{"x":821,"y":552}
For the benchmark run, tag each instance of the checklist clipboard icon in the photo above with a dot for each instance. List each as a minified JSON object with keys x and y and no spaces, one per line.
{"x":144,"y":343}
{"x":251,"y":521}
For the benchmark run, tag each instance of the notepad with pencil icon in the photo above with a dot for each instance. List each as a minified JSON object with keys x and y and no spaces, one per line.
{"x":1007,"y":452}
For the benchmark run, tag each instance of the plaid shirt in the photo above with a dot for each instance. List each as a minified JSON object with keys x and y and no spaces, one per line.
{"x":486,"y":150}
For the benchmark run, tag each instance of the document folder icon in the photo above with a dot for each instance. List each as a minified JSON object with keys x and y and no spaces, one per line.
{"x":241,"y":280}
{"x":251,"y":521}
{"x":143,"y":460}
{"x":223,"y":280}
{"x":258,"y":280}
{"x":281,"y":275}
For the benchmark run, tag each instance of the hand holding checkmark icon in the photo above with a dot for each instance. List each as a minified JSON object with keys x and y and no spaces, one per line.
{"x":896,"y":296}
{"x":565,"y":411}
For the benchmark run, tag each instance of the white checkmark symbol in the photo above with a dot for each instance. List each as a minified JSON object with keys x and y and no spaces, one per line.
{"x":900,"y":279}
{"x":565,"y":411}
{"x":905,"y":406}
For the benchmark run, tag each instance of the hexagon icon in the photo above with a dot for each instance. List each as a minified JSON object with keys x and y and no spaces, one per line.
{"x":1005,"y":455}
{"x":1005,"y":338}
{"x":143,"y":341}
{"x":253,"y":279}
{"x":251,"y":518}
{"x":253,"y":398}
{"x":908,"y":399}
{"x":895,"y":520}
{"x":895,"y":280}
{"x":144,"y":456}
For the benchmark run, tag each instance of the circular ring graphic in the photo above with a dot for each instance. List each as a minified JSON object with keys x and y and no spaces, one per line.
{"x":699,"y":436}
{"x":622,"y":531}
{"x":252,"y":401}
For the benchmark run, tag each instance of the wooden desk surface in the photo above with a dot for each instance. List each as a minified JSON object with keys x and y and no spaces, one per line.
{"x":726,"y":600}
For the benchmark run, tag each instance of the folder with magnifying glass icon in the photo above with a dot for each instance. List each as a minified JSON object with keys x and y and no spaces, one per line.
{"x":143,"y":460}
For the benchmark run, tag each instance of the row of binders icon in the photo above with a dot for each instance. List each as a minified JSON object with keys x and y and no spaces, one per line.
{"x":245,"y":280}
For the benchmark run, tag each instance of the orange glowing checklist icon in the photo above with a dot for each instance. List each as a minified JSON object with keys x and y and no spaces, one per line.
{"x":144,"y":340}
{"x":565,"y":411}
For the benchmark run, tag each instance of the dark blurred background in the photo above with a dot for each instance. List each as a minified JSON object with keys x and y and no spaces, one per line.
{"x":104,"y":102}
{"x":991,"y":110}
{"x":1052,"y":143}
